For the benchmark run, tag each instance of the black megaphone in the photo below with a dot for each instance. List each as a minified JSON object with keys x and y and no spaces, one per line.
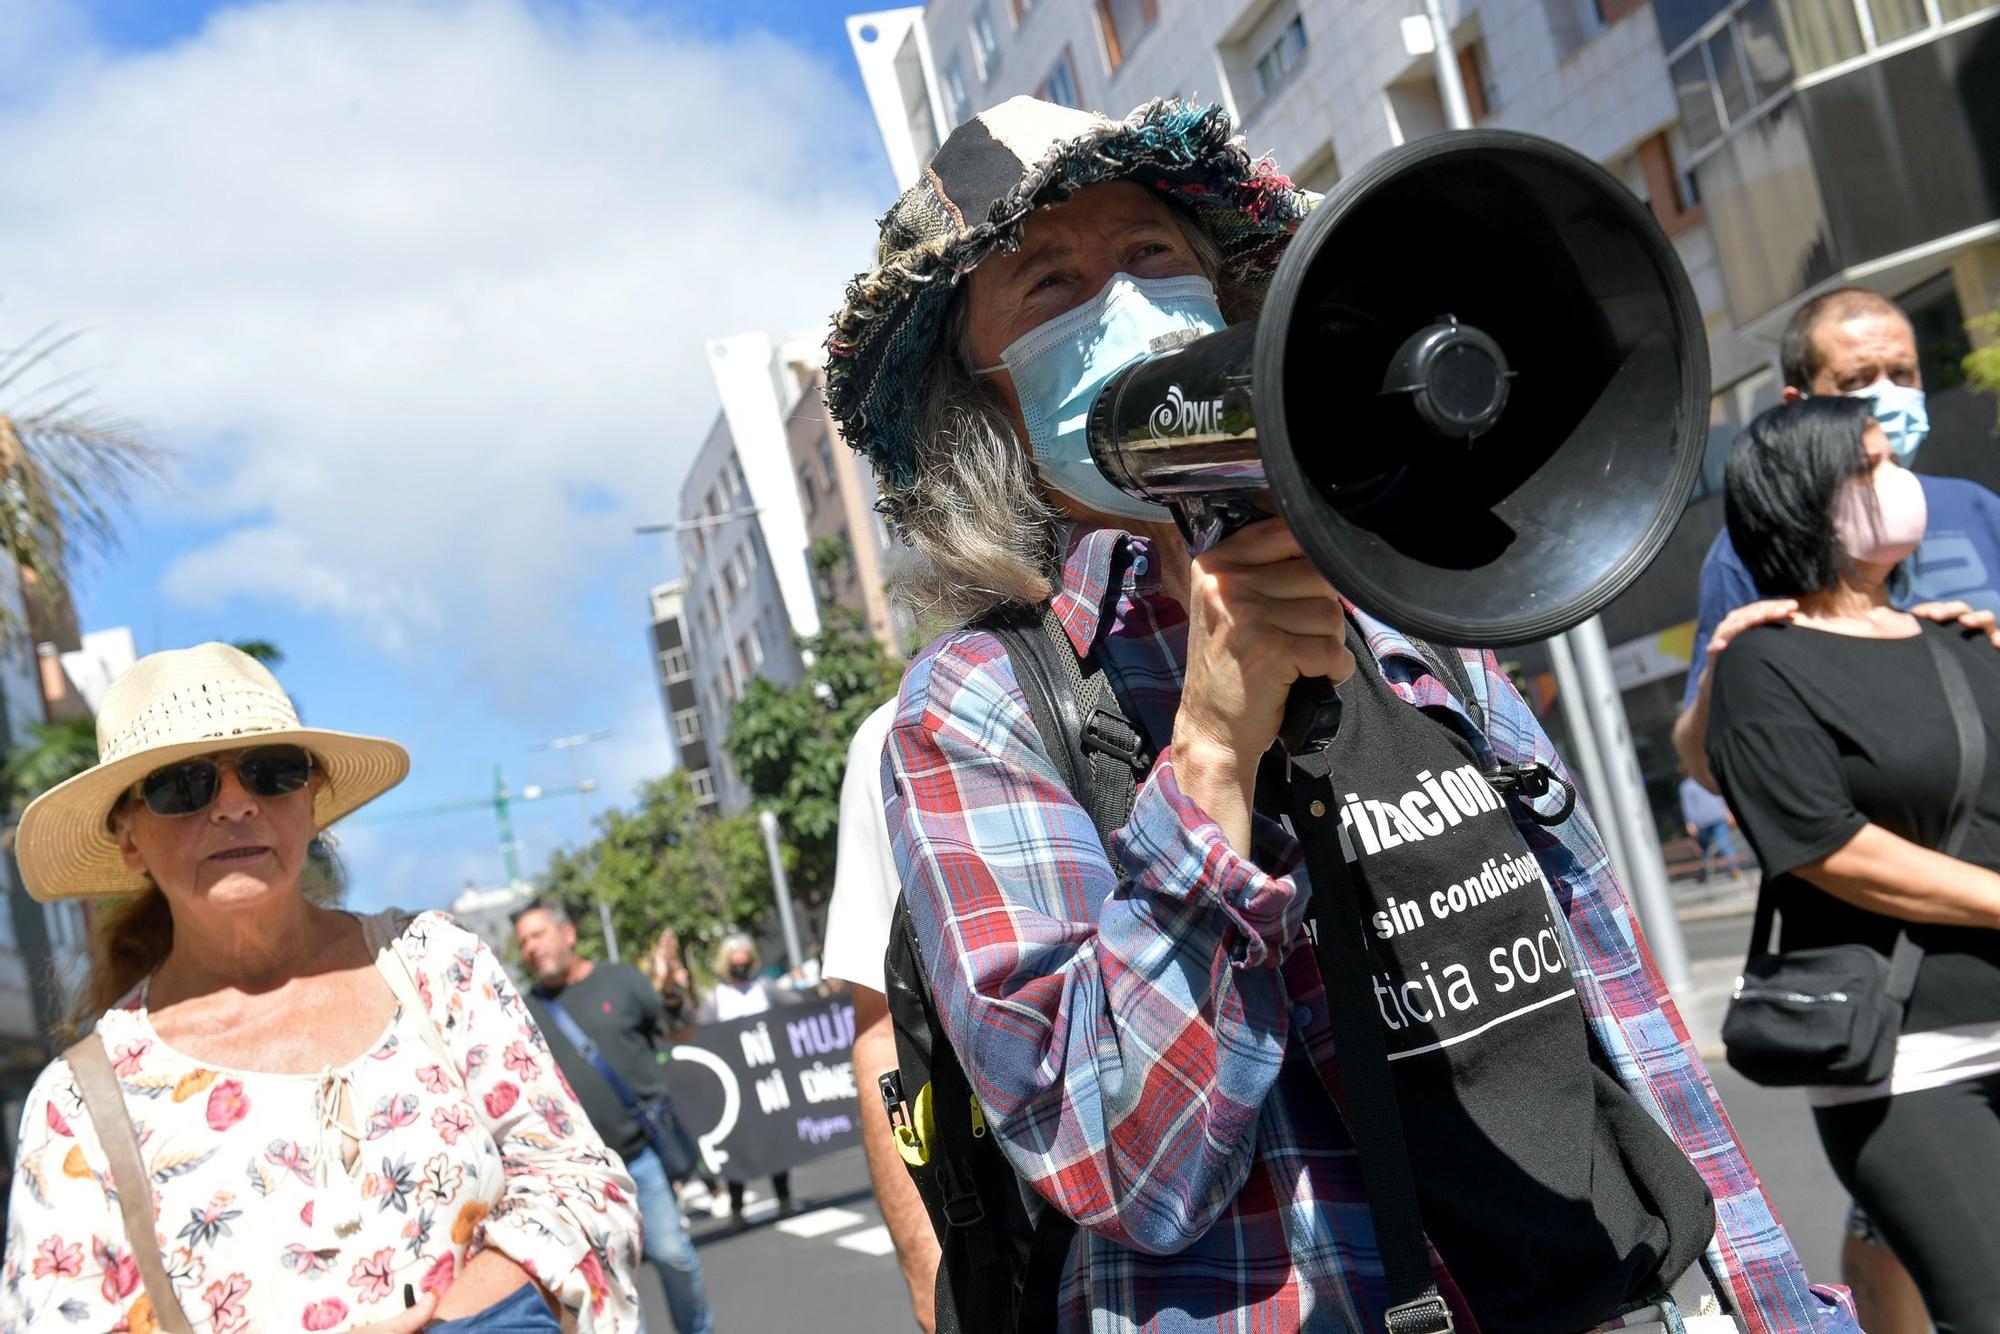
{"x":1478,"y":391}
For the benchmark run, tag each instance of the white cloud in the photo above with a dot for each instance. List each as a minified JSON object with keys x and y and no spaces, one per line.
{"x":404,"y":280}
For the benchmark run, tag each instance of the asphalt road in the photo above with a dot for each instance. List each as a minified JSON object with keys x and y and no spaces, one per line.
{"x":829,"y":1270}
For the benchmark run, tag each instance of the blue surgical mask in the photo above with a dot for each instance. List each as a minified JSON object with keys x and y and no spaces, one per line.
{"x":1059,"y":366}
{"x":1902,"y":415}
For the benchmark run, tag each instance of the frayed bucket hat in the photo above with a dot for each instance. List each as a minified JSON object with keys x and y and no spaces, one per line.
{"x":175,"y":706}
{"x":972,"y":200}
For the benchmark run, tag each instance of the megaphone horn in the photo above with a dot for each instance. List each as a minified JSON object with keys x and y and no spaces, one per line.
{"x":1478,"y":391}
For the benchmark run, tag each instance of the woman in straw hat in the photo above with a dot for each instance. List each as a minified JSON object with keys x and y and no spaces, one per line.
{"x":288,"y":1116}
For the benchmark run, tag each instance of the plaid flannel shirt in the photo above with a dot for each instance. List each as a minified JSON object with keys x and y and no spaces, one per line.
{"x":1143,"y":1035}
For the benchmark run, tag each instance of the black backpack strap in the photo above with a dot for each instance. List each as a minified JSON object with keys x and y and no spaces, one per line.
{"x":1098,"y":751}
{"x":1449,"y":665}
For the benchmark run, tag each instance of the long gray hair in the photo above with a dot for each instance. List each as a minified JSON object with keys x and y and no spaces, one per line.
{"x":977,"y":516}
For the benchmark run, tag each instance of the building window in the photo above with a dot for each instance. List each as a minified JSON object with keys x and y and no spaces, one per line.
{"x":1021,"y":9}
{"x":808,"y":491}
{"x":1278,"y":59}
{"x":1664,"y":192}
{"x":1060,"y":86}
{"x":687,"y":726}
{"x":1896,"y":18}
{"x":711,"y":611}
{"x":826,"y":461}
{"x":1820,"y":32}
{"x":1479,"y":91}
{"x":703,"y":783}
{"x":1123,"y":23}
{"x":985,"y":42}
{"x":749,"y":651}
{"x":1728,"y":73}
{"x":1573,"y":23}
{"x":674,"y":664}
{"x":1701,"y":118}
{"x":957,"y":101}
{"x":1766,"y":57}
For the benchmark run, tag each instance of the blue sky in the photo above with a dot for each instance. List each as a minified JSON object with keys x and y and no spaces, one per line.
{"x":415,"y":291}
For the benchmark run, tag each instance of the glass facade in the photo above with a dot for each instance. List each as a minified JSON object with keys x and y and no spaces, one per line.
{"x":1890,"y":154}
{"x":1821,"y":32}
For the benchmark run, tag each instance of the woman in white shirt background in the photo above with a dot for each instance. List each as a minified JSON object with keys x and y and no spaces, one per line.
{"x":742,"y":992}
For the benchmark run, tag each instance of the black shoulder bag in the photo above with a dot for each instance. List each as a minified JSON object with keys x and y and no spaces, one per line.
{"x":1832,"y":1015}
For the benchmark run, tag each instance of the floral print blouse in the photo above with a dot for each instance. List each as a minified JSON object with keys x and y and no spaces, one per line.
{"x":263,"y":1221}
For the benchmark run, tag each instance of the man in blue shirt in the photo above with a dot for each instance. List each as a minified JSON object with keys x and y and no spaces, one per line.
{"x":1857,"y":342}
{"x":1853,"y":341}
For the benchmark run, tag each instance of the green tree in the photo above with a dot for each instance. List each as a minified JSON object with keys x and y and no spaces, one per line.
{"x":263,"y":650}
{"x":67,"y":468}
{"x":790,"y":742}
{"x":1982,"y":365}
{"x":663,"y":863}
{"x":53,"y":753}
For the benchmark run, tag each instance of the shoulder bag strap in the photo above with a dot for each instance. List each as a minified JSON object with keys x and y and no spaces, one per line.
{"x":105,"y":1101}
{"x":1366,"y":1092}
{"x":395,"y":970}
{"x":1908,"y":955}
{"x":587,"y":1049}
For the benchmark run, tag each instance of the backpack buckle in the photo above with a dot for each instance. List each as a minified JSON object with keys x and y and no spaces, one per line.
{"x":1530,"y":782}
{"x":1109,"y":734}
{"x":1426,"y":1315}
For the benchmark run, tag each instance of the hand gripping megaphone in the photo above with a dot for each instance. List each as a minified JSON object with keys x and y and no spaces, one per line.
{"x":1478,"y":391}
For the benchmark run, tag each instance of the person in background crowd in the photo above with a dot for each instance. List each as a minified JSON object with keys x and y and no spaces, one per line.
{"x":676,"y":989}
{"x":272,"y":1055}
{"x":740,"y":993}
{"x":620,"y":1013}
{"x":1710,"y":824}
{"x":1831,"y":735}
{"x":1857,"y":343}
{"x":858,"y":921}
{"x":1146,"y":1028}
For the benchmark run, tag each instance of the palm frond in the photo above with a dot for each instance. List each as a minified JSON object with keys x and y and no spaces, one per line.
{"x":52,"y":754}
{"x":68,"y":470}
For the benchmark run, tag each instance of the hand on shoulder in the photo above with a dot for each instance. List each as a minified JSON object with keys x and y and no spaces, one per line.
{"x":1962,"y":614}
{"x":1766,"y":611}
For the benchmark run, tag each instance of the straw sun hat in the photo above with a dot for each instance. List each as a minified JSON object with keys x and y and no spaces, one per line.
{"x":174,"y":706}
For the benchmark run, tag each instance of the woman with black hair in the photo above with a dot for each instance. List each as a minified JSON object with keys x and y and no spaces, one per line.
{"x":1833,"y":741}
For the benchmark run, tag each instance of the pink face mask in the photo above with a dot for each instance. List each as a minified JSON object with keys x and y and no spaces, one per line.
{"x":1897,"y":526}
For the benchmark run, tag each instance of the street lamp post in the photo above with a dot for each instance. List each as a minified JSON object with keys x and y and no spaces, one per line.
{"x":781,"y":889}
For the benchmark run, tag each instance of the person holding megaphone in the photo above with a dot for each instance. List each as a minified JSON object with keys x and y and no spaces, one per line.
{"x":1146,"y":1020}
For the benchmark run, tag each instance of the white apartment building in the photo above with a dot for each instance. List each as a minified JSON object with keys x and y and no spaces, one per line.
{"x":739,"y":618}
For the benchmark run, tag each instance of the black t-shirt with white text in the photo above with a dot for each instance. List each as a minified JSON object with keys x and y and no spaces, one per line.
{"x":1553,"y":1198}
{"x":619,"y":1011}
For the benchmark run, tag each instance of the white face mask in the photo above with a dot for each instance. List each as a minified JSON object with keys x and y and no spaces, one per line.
{"x":1059,"y":365}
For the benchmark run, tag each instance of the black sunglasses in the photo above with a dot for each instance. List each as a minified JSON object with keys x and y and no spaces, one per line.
{"x":189,"y":787}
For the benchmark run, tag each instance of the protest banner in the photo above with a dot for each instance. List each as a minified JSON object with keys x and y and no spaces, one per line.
{"x":764,"y":1094}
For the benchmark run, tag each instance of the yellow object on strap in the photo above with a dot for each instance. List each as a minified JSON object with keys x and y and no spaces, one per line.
{"x":915,"y":1135}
